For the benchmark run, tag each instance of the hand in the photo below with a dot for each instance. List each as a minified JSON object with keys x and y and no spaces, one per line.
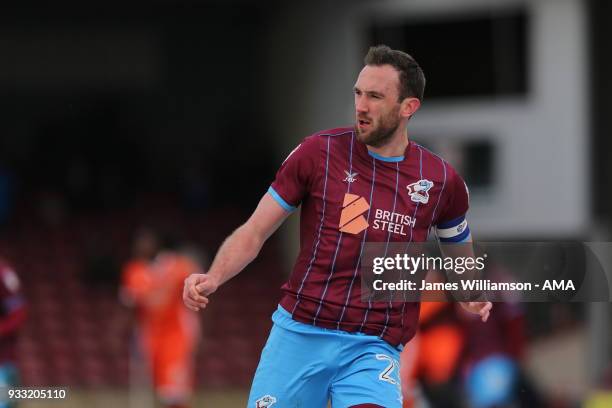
{"x":197,"y":288}
{"x":480,"y":308}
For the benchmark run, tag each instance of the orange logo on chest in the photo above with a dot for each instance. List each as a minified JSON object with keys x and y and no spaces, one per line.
{"x":352,"y":220}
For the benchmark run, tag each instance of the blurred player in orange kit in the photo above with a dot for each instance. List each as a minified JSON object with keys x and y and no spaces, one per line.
{"x":12,"y":317}
{"x":432,"y":357}
{"x":168,"y":332}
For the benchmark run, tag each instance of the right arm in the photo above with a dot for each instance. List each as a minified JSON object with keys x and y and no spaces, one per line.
{"x":292,"y":183}
{"x":236,"y":252}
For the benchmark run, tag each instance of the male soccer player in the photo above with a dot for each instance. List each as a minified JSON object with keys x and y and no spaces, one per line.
{"x":367,"y":183}
{"x":168,"y":332}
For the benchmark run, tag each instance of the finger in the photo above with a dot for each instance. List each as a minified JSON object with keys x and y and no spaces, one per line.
{"x":203,"y":302}
{"x":486,"y":311}
{"x":191,"y":305}
{"x":200,"y":298}
{"x":193,"y":292}
{"x":193,"y":280}
{"x":186,"y":291}
{"x":193,"y":308}
{"x":190,"y":281}
{"x":485,"y":316}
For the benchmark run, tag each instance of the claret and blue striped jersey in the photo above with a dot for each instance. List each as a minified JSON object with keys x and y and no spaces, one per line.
{"x":350,"y":196}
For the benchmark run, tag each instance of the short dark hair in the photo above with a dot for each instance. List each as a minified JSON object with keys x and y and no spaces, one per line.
{"x":411,"y":76}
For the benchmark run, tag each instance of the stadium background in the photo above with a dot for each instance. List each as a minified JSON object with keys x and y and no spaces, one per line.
{"x":119,"y":114}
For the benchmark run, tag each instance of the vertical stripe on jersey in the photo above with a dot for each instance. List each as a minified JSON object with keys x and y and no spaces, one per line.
{"x":316,"y":247}
{"x":433,"y":215}
{"x":416,"y":209}
{"x":390,"y":305}
{"x":397,"y":172}
{"x":363,"y":240}
{"x":365,"y":317}
{"x":410,"y":241}
{"x":339,"y":239}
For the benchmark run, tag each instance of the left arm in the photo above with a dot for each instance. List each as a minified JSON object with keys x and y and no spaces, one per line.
{"x":455,"y":238}
{"x":479,"y":305}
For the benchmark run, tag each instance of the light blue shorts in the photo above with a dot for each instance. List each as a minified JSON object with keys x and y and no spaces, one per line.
{"x":306,"y":366}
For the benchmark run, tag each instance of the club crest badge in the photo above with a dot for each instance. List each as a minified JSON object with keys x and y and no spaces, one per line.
{"x":419,"y":191}
{"x":265,"y":401}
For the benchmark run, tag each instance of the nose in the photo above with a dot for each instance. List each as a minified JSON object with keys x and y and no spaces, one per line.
{"x":361,"y":105}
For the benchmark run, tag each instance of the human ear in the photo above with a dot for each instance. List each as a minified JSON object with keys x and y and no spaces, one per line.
{"x":409,"y":106}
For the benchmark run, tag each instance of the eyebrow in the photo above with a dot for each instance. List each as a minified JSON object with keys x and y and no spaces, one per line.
{"x":373,"y":93}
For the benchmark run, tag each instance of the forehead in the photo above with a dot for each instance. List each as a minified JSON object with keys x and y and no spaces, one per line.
{"x":383,"y":78}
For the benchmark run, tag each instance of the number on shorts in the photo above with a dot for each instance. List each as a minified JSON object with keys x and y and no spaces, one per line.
{"x":386,"y":374}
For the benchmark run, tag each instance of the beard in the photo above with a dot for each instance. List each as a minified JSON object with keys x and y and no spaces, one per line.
{"x":381,"y":134}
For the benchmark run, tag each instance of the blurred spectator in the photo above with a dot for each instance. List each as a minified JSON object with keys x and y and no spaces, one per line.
{"x":168,"y":332}
{"x":12,"y":317}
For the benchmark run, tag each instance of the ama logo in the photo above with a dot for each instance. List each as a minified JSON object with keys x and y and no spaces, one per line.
{"x":419,"y":191}
{"x":352,"y":220}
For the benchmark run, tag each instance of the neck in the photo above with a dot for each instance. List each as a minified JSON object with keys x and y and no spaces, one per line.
{"x":396,"y":146}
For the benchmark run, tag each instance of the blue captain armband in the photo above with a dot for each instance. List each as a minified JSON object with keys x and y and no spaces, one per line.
{"x":456,"y":230}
